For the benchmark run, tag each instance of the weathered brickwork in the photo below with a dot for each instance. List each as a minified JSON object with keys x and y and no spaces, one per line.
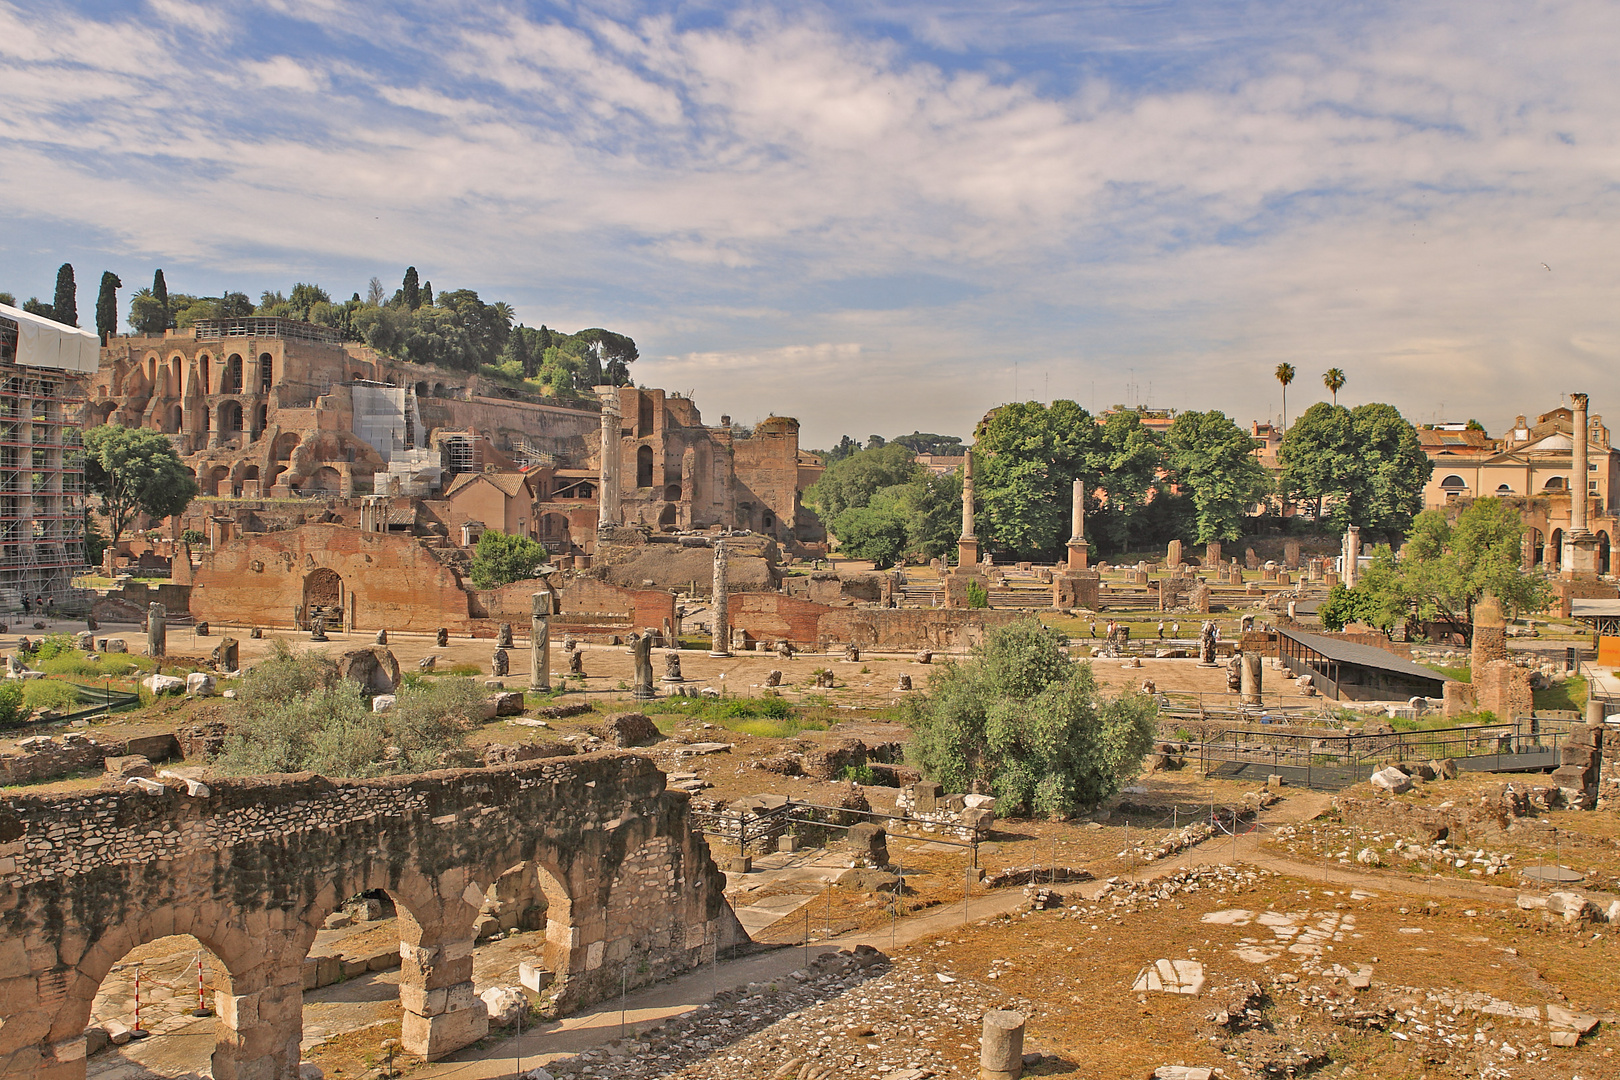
{"x":253,"y":867}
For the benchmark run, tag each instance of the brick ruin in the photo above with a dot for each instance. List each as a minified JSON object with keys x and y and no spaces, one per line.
{"x":264,"y":408}
{"x":253,"y":867}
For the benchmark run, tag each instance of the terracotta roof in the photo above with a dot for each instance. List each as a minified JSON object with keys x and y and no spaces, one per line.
{"x":1454,"y":441}
{"x":510,"y":483}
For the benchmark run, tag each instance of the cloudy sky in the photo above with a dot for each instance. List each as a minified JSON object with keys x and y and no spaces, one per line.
{"x":878,"y":216}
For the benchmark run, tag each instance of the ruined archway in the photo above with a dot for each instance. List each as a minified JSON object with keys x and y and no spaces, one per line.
{"x":1603,"y":551}
{"x":644,"y":466}
{"x":219,"y":480}
{"x":174,"y":418}
{"x":666,"y":518}
{"x":554,"y":531}
{"x":230,"y":416}
{"x":323,"y":592}
{"x":325,"y":479}
{"x":231,"y":378}
{"x":176,"y":975}
{"x":1555,"y":549}
{"x":286,"y":442}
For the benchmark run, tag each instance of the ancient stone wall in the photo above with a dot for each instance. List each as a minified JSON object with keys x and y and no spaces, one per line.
{"x":253,"y":867}
{"x":386,"y":580}
{"x":1503,"y":688}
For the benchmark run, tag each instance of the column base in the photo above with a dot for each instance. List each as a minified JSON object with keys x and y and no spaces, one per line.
{"x":432,"y":1037}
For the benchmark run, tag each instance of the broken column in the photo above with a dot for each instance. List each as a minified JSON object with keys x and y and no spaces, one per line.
{"x":720,"y":643}
{"x":1001,"y":1048}
{"x":1252,"y":668}
{"x":1490,"y":633}
{"x":157,"y":625}
{"x":540,"y":642}
{"x":1352,"y":556}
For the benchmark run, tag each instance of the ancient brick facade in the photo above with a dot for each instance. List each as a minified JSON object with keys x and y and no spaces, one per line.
{"x":253,"y":868}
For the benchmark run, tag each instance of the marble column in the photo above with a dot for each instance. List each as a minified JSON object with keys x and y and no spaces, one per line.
{"x":607,"y":513}
{"x":1580,"y":545}
{"x":157,"y":625}
{"x":967,"y":548}
{"x":1078,"y":548}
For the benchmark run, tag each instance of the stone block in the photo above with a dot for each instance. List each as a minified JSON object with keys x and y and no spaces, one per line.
{"x":534,"y":976}
{"x":128,"y":765}
{"x":432,"y":1037}
{"x":1392,"y":780}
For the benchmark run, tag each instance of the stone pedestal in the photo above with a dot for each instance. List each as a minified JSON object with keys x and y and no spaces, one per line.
{"x":157,"y":635}
{"x":1252,"y":676}
{"x":1079,"y":554}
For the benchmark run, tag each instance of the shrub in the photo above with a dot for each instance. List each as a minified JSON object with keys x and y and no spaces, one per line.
{"x":1025,"y":721}
{"x":977,"y":596}
{"x":46,"y":694}
{"x":463,"y":670}
{"x":287,"y":675}
{"x":11,"y":703}
{"x":330,"y":730}
{"x":429,"y":723}
{"x":51,"y":646}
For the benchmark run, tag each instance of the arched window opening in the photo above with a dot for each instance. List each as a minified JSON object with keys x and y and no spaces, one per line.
{"x":644,"y":466}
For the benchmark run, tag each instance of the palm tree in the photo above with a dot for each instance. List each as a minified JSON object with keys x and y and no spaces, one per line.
{"x":1285,"y":375}
{"x":1333,"y":379}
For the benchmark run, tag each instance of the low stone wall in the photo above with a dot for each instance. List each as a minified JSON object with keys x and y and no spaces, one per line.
{"x":43,"y":758}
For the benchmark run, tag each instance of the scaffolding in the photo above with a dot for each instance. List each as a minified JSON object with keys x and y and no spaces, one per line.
{"x":41,"y":478}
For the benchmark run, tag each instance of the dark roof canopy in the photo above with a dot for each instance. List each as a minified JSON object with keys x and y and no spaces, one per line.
{"x":1348,"y":652}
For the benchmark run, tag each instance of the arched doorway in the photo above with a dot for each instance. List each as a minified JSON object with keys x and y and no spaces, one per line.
{"x":1532,"y":547}
{"x":325,"y":479}
{"x":1555,"y":548}
{"x":554,"y":532}
{"x":285,"y":444}
{"x":231,"y":383}
{"x":250,"y":473}
{"x":666,"y":519}
{"x":172,"y":421}
{"x":219,"y":480}
{"x":323,"y":595}
{"x":672,"y":493}
{"x":230,"y":416}
{"x":1602,"y":551}
{"x":267,"y":370}
{"x":644,"y":466}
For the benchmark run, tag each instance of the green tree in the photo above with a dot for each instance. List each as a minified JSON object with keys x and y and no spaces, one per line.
{"x":1022,"y":720}
{"x":851,"y":482}
{"x":1361,"y":466}
{"x":35,"y":306}
{"x":1334,"y":380}
{"x":146,"y":315}
{"x":410,"y":290}
{"x":8,"y":299}
{"x":1214,"y":461}
{"x":107,"y":306}
{"x":160,"y":293}
{"x":1285,"y":375}
{"x":942,"y":445}
{"x":1026,"y":457}
{"x":500,"y":559}
{"x":427,"y":294}
{"x":1446,"y":566}
{"x":134,"y":470}
{"x":66,"y":304}
{"x":919,"y":517}
{"x":1127,"y":470}
{"x":1379,"y":599}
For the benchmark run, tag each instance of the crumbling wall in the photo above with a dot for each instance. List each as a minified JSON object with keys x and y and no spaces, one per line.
{"x":253,"y":867}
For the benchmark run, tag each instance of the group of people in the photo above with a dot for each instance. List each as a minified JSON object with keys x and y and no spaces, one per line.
{"x":30,"y":606}
{"x":1119,"y":629}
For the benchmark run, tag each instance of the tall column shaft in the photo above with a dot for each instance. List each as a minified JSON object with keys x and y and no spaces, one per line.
{"x":967,"y":548}
{"x":1077,"y":512}
{"x":720,"y":644}
{"x":1577,"y":481}
{"x":608,"y":487}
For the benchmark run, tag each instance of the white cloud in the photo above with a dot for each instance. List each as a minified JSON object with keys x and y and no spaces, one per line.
{"x":1373,"y":195}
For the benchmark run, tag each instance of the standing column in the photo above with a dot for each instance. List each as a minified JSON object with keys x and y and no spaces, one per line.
{"x":721,"y":643}
{"x":540,"y":642}
{"x":1078,"y":548}
{"x":607,"y":513}
{"x":1580,"y":546}
{"x":967,"y":548}
{"x":1352,"y":556}
{"x":157,"y":630}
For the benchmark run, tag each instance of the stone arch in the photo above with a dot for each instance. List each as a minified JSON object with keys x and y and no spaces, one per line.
{"x":230,"y":416}
{"x":1603,"y":551}
{"x":1555,"y":548}
{"x":324,"y":478}
{"x":223,"y":937}
{"x":219,"y":474}
{"x":644,"y":466}
{"x":230,"y":380}
{"x":275,"y":476}
{"x":1532,"y":547}
{"x":666,"y":518}
{"x":422,"y":389}
{"x":645,"y":415}
{"x":438,"y":389}
{"x":205,"y":373}
{"x":672,"y":492}
{"x":286,"y":442}
{"x":1554,"y":483}
{"x":323,"y":589}
{"x":267,"y":371}
{"x":251,"y":472}
{"x":174,"y":417}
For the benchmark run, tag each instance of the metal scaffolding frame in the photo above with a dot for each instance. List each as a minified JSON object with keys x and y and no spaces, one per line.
{"x":41,"y":478}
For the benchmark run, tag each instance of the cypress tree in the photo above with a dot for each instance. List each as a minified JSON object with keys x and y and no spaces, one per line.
{"x":67,"y":296}
{"x":160,"y":293}
{"x":412,"y":289}
{"x":107,"y":306}
{"x":427,"y":294}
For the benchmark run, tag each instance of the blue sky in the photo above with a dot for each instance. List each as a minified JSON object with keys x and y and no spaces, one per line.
{"x":877,"y":217}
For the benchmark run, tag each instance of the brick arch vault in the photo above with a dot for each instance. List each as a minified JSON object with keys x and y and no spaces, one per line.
{"x":253,"y":868}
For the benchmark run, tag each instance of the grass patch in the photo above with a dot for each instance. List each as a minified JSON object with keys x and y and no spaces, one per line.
{"x":762,"y":717}
{"x":74,"y":666}
{"x":464,"y":670}
{"x":1569,"y":694}
{"x":1460,"y":672}
{"x":49,"y":694}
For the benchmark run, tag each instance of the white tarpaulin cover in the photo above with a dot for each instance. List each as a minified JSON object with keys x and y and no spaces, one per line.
{"x":43,"y":343}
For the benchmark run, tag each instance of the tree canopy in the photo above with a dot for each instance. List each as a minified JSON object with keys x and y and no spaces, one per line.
{"x":107,"y":306}
{"x":134,"y":470}
{"x":1361,"y":466}
{"x":502,"y":558}
{"x":1213,"y":460}
{"x":1444,"y":568}
{"x":1024,"y":722}
{"x":881,"y":505}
